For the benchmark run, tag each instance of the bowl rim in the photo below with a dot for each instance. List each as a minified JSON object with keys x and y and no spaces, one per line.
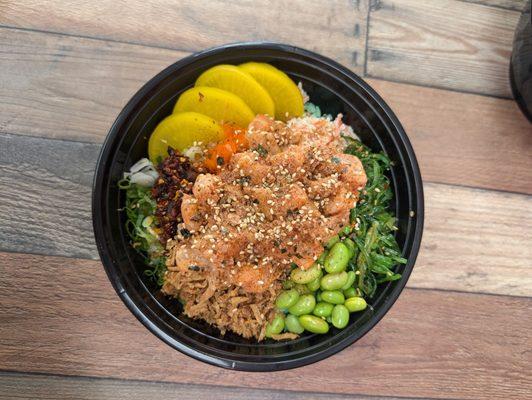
{"x":98,"y":190}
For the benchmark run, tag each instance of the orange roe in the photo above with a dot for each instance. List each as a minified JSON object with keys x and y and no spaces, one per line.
{"x":235,"y":140}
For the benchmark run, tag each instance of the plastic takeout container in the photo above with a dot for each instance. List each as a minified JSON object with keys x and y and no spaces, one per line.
{"x":336,"y":90}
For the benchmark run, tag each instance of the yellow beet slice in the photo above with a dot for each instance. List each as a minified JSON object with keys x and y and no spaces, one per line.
{"x":180,"y":131}
{"x":223,"y":106}
{"x":284,"y":92}
{"x":235,"y":80}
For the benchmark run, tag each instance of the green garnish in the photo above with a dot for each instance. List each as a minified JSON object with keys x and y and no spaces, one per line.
{"x":140,"y":226}
{"x":378,"y":251}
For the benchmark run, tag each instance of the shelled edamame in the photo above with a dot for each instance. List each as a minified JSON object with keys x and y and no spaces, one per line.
{"x":323,"y":294}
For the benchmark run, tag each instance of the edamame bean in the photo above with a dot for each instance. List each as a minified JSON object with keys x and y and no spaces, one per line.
{"x":323,"y":309}
{"x":314,"y":285}
{"x":287,"y":299}
{"x":340,"y":316}
{"x":355,"y":304}
{"x":292,"y":324}
{"x":305,"y":276}
{"x":351,"y":292}
{"x":314,"y":324}
{"x":318,"y":297}
{"x":332,"y":241}
{"x":337,"y":259}
{"x":304,"y":305}
{"x":276,"y":326}
{"x":301,"y":289}
{"x":332,"y":296}
{"x":350,"y":280}
{"x":334,"y":281}
{"x":351,"y":247}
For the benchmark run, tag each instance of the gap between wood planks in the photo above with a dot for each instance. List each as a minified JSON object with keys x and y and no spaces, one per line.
{"x":96,"y":38}
{"x":421,"y":346}
{"x":369,"y":77}
{"x":514,"y":5}
{"x":65,"y":387}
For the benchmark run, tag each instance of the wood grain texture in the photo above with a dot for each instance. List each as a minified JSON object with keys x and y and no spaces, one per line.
{"x":442,"y":43}
{"x":45,"y":188}
{"x":50,"y":387}
{"x":475,"y":241}
{"x":336,"y":28}
{"x":70,"y":88}
{"x":46,"y":208}
{"x":64,"y":334}
{"x":463,"y":138}
{"x":516,"y":5}
{"x":455,"y":135}
{"x":431,"y":344}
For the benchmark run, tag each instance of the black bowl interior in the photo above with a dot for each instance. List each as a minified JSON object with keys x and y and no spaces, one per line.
{"x":329,"y":85}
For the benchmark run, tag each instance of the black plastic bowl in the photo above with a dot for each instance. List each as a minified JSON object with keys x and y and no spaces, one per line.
{"x":336,"y":90}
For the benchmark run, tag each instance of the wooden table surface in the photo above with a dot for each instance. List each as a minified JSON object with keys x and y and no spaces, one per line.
{"x":462,"y":329}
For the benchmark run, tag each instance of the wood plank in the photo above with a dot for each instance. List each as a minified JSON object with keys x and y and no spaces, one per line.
{"x":455,"y":135}
{"x":462,"y":138}
{"x":46,"y":208}
{"x":432,"y":344}
{"x":46,"y":188}
{"x":335,"y":28}
{"x":37,"y":100}
{"x":442,"y":43}
{"x":50,"y":387}
{"x":516,"y":5}
{"x":475,"y":241}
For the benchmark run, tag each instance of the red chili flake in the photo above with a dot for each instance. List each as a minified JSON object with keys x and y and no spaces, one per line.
{"x":176,"y":177}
